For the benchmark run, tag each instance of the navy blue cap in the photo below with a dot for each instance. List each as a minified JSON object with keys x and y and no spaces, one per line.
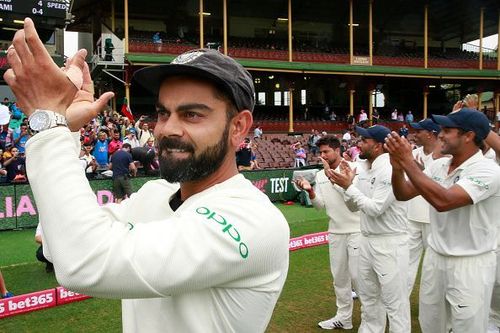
{"x":466,"y":119}
{"x":207,"y":64}
{"x":376,"y":132}
{"x":426,"y":124}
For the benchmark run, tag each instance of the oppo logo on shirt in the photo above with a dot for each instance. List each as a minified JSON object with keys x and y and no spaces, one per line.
{"x":228,"y":229}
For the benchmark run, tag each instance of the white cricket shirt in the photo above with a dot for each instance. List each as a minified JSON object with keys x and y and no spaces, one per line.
{"x":216,"y":264}
{"x":418,"y":207}
{"x":472,"y":229}
{"x":371,"y":193}
{"x":331,"y":198}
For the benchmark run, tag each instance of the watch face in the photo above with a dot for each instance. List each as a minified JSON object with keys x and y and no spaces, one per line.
{"x":39,"y":121}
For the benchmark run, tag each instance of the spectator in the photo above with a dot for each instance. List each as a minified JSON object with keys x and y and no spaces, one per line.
{"x":394,"y":115}
{"x":157,"y":38}
{"x":253,"y":160}
{"x":244,"y":155}
{"x":122,"y":166}
{"x":333,"y":116}
{"x":257,"y":132}
{"x":362,"y":116}
{"x":131,"y":138}
{"x":347,"y":136}
{"x":311,"y":142}
{"x":15,"y":166}
{"x":409,"y":117}
{"x":101,"y":151}
{"x":375,"y":117}
{"x":17,"y":117}
{"x":3,"y":171}
{"x":400,"y":116}
{"x":20,"y":138}
{"x":90,"y":161}
{"x":143,"y":131}
{"x":49,"y":267}
{"x":126,"y":125}
{"x":351,"y":121}
{"x":3,"y":289}
{"x":115,"y":144}
{"x":108,"y":49}
{"x":300,"y":154}
{"x":403,"y":131}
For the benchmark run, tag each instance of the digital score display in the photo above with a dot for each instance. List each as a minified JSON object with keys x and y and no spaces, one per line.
{"x":47,"y":8}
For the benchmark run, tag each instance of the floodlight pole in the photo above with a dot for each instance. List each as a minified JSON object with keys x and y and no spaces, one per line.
{"x":426,"y":94}
{"x":351,"y":37}
{"x":224,"y":13}
{"x":370,"y":105}
{"x":113,"y":23}
{"x":290,"y":52}
{"x":426,"y":33}
{"x":125,"y":14}
{"x":201,"y":25}
{"x":498,"y":43}
{"x":290,"y":111}
{"x":370,"y":33}
{"x":481,"y":28}
{"x":351,"y":101}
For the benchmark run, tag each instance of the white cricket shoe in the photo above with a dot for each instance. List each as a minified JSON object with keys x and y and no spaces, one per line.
{"x":354,"y":295}
{"x":334,"y":323}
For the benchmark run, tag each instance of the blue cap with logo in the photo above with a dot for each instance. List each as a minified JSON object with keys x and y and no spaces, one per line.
{"x":375,"y":132}
{"x":426,"y":124}
{"x":466,"y":119}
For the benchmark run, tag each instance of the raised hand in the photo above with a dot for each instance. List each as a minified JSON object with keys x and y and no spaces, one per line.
{"x":345,"y":177}
{"x":399,"y":150}
{"x":84,"y":108}
{"x":37,"y":82}
{"x":303,"y":184}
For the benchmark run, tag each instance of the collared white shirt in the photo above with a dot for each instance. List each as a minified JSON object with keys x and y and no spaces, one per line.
{"x":418,"y":207}
{"x":331,"y":198}
{"x":371,"y":193}
{"x":472,"y":229}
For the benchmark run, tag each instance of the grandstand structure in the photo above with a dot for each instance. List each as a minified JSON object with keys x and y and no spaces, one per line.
{"x":307,"y":59}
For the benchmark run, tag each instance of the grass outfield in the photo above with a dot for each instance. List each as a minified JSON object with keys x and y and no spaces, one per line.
{"x":306,"y":299}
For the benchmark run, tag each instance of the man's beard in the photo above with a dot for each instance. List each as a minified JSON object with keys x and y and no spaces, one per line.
{"x":191,"y":168}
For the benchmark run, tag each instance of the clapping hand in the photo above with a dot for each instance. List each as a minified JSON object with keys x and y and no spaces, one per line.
{"x":399,"y":150}
{"x":38,"y":83}
{"x":303,"y":184}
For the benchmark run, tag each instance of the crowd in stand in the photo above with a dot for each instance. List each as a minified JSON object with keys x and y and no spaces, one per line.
{"x":99,"y":139}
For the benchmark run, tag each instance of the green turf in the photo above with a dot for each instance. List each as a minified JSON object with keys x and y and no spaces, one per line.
{"x":307,"y":297}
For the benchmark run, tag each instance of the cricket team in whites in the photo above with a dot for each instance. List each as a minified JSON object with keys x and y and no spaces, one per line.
{"x":395,"y":203}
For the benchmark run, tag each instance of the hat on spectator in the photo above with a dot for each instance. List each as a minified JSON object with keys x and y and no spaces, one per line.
{"x":426,"y":124}
{"x":375,"y":132}
{"x":132,"y":130}
{"x":232,"y":77}
{"x":469,"y":120}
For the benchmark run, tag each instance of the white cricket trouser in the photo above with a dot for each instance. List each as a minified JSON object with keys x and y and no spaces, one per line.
{"x":456,"y":290}
{"x":383,"y":284}
{"x":344,"y":252}
{"x":417,"y":242}
{"x":495,"y":298}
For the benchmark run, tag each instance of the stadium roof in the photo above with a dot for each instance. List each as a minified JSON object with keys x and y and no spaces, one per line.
{"x":448,"y":19}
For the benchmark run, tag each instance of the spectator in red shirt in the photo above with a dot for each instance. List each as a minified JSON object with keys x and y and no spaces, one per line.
{"x":115,"y":144}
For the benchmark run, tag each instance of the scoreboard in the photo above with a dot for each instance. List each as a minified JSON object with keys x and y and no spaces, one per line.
{"x":46,"y":8}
